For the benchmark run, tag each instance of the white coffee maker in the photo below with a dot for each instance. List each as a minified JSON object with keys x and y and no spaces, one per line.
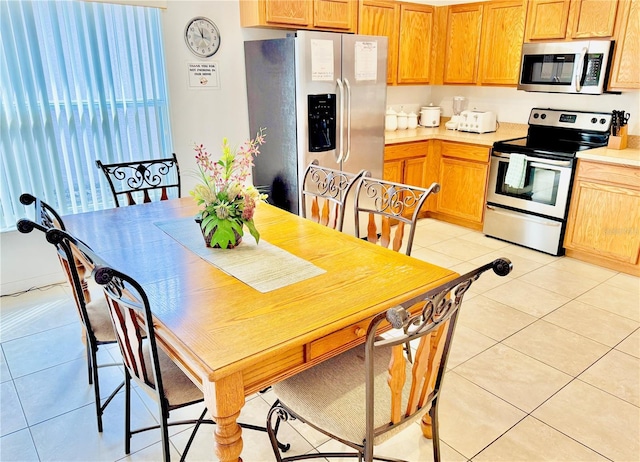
{"x":459,"y":105}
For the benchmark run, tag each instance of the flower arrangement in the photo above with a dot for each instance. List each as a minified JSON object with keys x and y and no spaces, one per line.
{"x":229,"y":203}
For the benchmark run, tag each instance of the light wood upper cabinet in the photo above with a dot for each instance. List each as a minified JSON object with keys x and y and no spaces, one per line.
{"x":464,"y":25}
{"x":570,"y":19}
{"x":382,"y":18}
{"x":415,"y":44}
{"x":501,"y":43}
{"x":341,"y":15}
{"x":410,"y":28}
{"x":592,"y":18}
{"x":547,"y":19}
{"x":625,"y":70}
{"x":330,"y":15}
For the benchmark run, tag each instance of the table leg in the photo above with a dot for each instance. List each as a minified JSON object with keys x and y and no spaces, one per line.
{"x":427,"y":430}
{"x":225,"y":399}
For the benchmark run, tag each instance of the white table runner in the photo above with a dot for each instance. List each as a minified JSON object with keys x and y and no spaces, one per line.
{"x":262,"y":266}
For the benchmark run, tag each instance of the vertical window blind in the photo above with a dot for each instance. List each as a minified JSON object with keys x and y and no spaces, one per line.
{"x":78,"y":82}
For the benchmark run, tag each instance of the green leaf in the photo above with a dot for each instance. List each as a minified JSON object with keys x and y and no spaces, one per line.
{"x":252,"y":229}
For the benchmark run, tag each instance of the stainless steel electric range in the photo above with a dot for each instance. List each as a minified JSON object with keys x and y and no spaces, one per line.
{"x":530,"y":178}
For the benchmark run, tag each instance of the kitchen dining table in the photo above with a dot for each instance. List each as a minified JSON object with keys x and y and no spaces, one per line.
{"x":230,"y":338}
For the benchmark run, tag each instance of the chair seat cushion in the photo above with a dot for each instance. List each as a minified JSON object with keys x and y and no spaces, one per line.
{"x":331,"y":395}
{"x":179,"y":390}
{"x":98,"y":312}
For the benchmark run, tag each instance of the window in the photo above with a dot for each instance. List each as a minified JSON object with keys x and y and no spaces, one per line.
{"x":78,"y":82}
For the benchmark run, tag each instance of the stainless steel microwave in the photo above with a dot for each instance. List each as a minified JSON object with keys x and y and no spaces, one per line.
{"x":580,"y":67}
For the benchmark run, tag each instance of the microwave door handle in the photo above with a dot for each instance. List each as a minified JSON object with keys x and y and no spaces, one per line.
{"x":581,"y":73}
{"x":340,"y":127}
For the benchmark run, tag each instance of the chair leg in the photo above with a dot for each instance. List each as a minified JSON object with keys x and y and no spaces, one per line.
{"x":127,"y":412}
{"x":281,"y":415}
{"x":164,"y":429}
{"x":435,"y":431}
{"x":193,"y":435}
{"x":96,"y":387}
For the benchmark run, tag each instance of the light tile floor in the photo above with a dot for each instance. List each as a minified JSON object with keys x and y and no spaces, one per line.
{"x":545,"y":366}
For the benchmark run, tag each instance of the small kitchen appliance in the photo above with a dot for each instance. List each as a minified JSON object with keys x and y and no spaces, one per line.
{"x":580,"y":67}
{"x":477,"y":121}
{"x":530,"y":178}
{"x":459,"y":103}
{"x":430,"y":116}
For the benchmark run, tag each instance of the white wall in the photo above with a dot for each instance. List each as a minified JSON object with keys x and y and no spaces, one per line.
{"x":206,"y":116}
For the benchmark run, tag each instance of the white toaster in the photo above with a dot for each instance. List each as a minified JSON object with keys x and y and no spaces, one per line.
{"x":477,"y":121}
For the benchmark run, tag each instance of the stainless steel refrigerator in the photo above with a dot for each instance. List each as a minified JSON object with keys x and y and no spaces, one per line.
{"x":321,"y":95}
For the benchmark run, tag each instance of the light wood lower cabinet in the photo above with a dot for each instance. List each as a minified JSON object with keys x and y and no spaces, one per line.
{"x":410,"y":163}
{"x":463,"y":172}
{"x":604,"y":217}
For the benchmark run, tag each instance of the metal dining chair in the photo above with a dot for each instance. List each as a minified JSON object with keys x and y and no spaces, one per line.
{"x":148,"y":366}
{"x":391,"y":203}
{"x":327,"y":190}
{"x":368,"y":394}
{"x":139,"y":179}
{"x":92,"y":311}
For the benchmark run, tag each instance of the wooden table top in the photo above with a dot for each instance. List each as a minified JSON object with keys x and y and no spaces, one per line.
{"x":218,"y":325}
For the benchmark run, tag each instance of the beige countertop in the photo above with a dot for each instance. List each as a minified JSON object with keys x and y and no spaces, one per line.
{"x":629,"y":156}
{"x":506,"y":131}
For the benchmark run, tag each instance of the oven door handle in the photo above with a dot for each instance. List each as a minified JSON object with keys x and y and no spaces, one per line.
{"x":540,"y":162}
{"x":526,"y":217}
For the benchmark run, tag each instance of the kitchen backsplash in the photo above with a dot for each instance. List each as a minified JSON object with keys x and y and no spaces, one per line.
{"x":509,"y":104}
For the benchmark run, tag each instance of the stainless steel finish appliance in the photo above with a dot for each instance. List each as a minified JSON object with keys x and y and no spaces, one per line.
{"x":534,"y":212}
{"x":321,"y":96}
{"x":566,"y":67}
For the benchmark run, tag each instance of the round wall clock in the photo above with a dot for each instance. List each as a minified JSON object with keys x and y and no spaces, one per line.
{"x":202,"y":37}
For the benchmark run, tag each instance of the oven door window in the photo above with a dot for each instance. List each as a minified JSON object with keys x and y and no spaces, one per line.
{"x":541,"y":184}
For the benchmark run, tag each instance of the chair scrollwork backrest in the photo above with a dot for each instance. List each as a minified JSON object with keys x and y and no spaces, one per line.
{"x":429,"y":318}
{"x":327,"y":189}
{"x":129,"y":179}
{"x":391,"y":202}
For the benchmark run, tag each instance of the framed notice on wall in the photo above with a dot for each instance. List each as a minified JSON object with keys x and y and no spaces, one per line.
{"x":204,"y":75}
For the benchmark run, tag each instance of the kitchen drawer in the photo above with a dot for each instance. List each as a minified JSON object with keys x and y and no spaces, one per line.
{"x":609,"y":173}
{"x":406,"y":150}
{"x":340,"y":340}
{"x":465,"y":151}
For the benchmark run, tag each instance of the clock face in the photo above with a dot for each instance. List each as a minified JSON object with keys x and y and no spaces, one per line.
{"x":202,"y":37}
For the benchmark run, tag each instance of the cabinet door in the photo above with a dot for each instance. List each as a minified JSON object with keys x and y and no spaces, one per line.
{"x":625,"y":71}
{"x":464,"y":25}
{"x":392,"y":170}
{"x":462,"y":189}
{"x":290,"y":12}
{"x":414,"y":171}
{"x":415,"y":46}
{"x":382,"y":18}
{"x":501,"y":44}
{"x":604,"y":221}
{"x":547,"y":19}
{"x":335,"y":14}
{"x":592,"y":18}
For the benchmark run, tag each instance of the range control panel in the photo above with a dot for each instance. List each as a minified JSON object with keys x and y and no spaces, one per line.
{"x":576,"y":120}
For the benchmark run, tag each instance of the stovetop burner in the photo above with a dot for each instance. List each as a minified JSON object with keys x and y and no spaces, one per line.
{"x":555,"y":133}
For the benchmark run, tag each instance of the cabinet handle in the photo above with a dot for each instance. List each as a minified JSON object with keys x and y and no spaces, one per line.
{"x":359,"y":331}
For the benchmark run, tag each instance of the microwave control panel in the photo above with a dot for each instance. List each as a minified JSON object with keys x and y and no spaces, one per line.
{"x":593,"y":67}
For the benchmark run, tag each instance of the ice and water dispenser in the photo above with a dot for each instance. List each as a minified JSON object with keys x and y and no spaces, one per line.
{"x":322,"y":122}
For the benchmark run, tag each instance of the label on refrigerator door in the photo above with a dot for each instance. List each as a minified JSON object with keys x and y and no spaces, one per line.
{"x":322,"y":60}
{"x":366,"y":57}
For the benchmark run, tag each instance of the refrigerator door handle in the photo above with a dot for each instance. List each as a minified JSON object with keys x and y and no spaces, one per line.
{"x":339,"y":151}
{"x":348,"y":150}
